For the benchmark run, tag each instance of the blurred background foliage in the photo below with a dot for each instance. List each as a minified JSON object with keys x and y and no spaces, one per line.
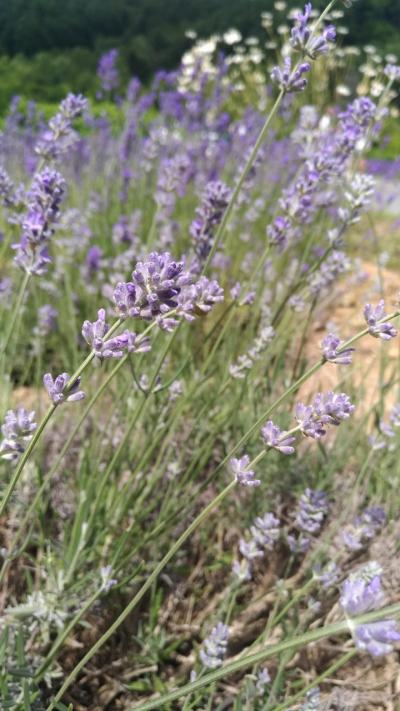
{"x":49,"y":47}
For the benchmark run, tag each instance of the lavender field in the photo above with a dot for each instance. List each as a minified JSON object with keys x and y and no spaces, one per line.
{"x":200,"y":382}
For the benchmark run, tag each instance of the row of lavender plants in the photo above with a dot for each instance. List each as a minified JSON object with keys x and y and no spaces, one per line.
{"x":184,"y":515}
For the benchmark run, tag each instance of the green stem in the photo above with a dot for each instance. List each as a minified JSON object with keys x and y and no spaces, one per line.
{"x":58,"y":461}
{"x":332,"y":630}
{"x":31,"y":446}
{"x":64,"y":634}
{"x":16,"y":311}
{"x":246,"y":170}
{"x":111,"y":466}
{"x":140,"y":594}
{"x":253,"y":155}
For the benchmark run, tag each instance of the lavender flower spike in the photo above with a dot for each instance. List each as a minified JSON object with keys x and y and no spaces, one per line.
{"x":56,"y":388}
{"x":125,"y":299}
{"x":17,"y":431}
{"x":208,"y":216}
{"x":326,"y":409}
{"x":331,"y":350}
{"x":107,"y":70}
{"x":360,"y":595}
{"x":277,"y":439}
{"x":313,"y":507}
{"x":214,"y":646}
{"x":158,"y":280}
{"x":94,"y":334}
{"x":289,"y":80}
{"x":266,"y":531}
{"x":372,"y":315}
{"x":244,"y":476}
{"x":301,"y":37}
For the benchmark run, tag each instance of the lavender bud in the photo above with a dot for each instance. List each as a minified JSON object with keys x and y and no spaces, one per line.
{"x":125,"y":300}
{"x":244,"y":476}
{"x":277,"y":439}
{"x":241,"y":570}
{"x":17,"y":431}
{"x":208,"y":216}
{"x":56,"y":388}
{"x":328,"y":575}
{"x":265,"y":531}
{"x":361,"y":595}
{"x":372,"y":315}
{"x":313,"y":507}
{"x":331,"y":350}
{"x":107,"y":582}
{"x":214,"y":646}
{"x":107,"y":70}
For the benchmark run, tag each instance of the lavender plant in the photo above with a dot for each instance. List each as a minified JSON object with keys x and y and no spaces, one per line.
{"x":223,"y":471}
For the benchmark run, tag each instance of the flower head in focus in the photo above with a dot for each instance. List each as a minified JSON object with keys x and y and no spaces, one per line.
{"x":59,"y":392}
{"x":333,"y":352}
{"x":277,"y":439}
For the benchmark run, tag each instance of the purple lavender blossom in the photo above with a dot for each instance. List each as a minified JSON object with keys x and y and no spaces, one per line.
{"x":280,"y":232}
{"x":173,"y":176}
{"x":298,"y":545}
{"x":241,"y":570}
{"x":309,"y":425}
{"x":47,"y":319}
{"x":313,"y":700}
{"x":134,"y":343}
{"x":107,"y":581}
{"x":328,"y":575}
{"x":332,"y":408}
{"x":250,"y":550}
{"x":93,"y":259}
{"x":214,"y":646}
{"x":94,"y":334}
{"x":265,"y":531}
{"x":6,"y":290}
{"x":277,"y":439}
{"x":392,"y":71}
{"x":302,"y":39}
{"x":326,"y":409}
{"x":364,"y":527}
{"x":60,"y":136}
{"x":313,"y":507}
{"x":208,"y":216}
{"x":199,"y":298}
{"x":59,"y":391}
{"x":321,"y":280}
{"x":158,"y":282}
{"x":17,"y":431}
{"x":363,"y":594}
{"x":125,"y":300}
{"x":107,"y":70}
{"x":43,"y":202}
{"x":332,"y":351}
{"x":73,"y":106}
{"x":263,"y":678}
{"x":244,"y":476}
{"x":289,"y":80}
{"x":372,"y":315}
{"x":7,"y":190}
{"x":359,"y":114}
{"x":395,"y":416}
